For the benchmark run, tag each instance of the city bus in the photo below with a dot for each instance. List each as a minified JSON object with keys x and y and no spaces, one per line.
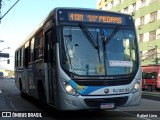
{"x":81,"y":59}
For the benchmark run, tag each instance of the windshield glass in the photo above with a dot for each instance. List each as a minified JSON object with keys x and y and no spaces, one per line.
{"x":86,"y":52}
{"x":121,"y":49}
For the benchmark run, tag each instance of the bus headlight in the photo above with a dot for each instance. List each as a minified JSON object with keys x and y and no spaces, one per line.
{"x":136,"y":87}
{"x":69,"y":89}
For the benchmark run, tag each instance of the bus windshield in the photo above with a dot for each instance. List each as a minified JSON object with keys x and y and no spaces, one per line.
{"x":98,"y":51}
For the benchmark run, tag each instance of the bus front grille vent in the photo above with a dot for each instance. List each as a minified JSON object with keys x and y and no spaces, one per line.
{"x":118,"y":101}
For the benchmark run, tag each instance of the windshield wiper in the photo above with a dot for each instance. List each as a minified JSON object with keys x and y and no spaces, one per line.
{"x":106,"y":40}
{"x":98,"y":48}
{"x":88,"y":35}
{"x":90,"y":38}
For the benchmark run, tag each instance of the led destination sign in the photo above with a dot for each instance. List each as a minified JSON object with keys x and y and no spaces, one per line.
{"x":86,"y":17}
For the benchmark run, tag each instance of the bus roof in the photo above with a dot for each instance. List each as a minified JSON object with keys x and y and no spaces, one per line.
{"x":86,"y":9}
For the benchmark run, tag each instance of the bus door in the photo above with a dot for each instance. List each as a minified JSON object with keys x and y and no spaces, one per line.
{"x":50,"y":56}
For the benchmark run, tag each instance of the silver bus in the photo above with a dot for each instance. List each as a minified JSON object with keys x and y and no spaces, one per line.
{"x":80,"y":59}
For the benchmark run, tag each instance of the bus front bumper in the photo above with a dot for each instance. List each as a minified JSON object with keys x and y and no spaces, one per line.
{"x":70,"y":102}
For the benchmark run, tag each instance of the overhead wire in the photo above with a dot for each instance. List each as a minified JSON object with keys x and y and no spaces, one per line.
{"x":5,"y":20}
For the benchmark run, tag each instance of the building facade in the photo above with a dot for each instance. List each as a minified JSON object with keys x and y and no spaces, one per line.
{"x":146,"y":14}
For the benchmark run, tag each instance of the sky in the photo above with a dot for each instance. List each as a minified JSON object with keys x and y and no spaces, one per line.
{"x":24,"y":19}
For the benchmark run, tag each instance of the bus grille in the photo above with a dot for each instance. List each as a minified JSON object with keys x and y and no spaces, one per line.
{"x":118,"y":101}
{"x":102,"y":82}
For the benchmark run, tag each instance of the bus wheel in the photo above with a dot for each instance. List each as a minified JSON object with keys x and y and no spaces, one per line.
{"x":41,"y":93}
{"x":149,"y":88}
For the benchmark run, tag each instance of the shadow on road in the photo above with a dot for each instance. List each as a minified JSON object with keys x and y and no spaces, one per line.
{"x":75,"y":115}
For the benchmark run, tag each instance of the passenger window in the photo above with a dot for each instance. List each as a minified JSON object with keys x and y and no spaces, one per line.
{"x":31,"y":46}
{"x":39,"y":46}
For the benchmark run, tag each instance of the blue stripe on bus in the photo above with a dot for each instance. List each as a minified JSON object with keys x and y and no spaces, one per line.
{"x":84,"y":90}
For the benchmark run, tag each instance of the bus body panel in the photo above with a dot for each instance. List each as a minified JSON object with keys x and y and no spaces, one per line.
{"x":69,"y":102}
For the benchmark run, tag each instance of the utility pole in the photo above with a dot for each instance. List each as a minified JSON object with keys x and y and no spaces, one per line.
{"x":7,"y":10}
{"x":0,"y":8}
{"x":156,"y":60}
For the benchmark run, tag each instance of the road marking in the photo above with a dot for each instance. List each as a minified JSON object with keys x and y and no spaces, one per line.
{"x":0,"y":91}
{"x":11,"y":103}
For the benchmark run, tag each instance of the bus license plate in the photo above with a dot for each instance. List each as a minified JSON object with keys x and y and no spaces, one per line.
{"x":107,"y":105}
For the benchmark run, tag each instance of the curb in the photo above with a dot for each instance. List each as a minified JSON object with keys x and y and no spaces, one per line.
{"x":151,"y":96}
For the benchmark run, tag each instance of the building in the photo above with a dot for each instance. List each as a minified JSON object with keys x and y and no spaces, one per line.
{"x":146,"y":14}
{"x":7,"y":73}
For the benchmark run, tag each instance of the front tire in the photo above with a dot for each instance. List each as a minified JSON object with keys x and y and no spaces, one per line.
{"x":149,"y":88}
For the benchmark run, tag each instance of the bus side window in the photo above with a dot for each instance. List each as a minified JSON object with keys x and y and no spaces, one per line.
{"x":38,"y":50}
{"x":22,"y":56}
{"x":31,"y":49}
{"x":47,"y":36}
{"x":26,"y":57}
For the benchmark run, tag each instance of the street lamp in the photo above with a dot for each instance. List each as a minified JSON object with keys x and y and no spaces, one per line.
{"x":4,"y":49}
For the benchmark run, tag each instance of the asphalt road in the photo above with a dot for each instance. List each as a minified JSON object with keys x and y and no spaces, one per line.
{"x":11,"y":101}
